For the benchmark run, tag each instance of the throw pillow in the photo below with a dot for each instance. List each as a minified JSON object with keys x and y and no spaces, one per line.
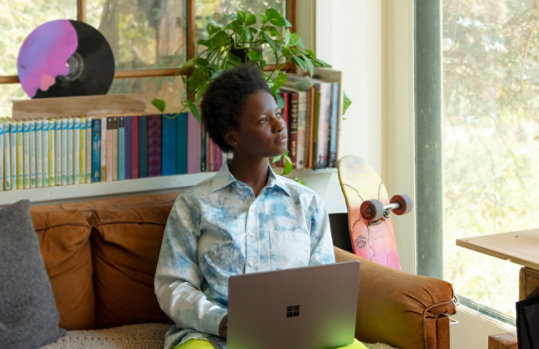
{"x":64,"y":241}
{"x":125,"y":248}
{"x":28,"y":314}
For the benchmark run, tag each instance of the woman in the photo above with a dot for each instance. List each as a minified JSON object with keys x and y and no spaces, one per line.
{"x":244,"y":219}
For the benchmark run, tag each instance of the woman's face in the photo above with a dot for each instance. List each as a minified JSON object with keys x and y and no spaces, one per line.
{"x":261,"y":129}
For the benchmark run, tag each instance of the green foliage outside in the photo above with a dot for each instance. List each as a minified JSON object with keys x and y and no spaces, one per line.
{"x":490,"y":138}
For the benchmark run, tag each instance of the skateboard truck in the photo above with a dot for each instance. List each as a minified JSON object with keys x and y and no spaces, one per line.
{"x":374,"y":211}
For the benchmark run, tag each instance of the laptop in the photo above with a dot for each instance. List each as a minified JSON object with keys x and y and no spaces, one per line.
{"x":301,"y":308}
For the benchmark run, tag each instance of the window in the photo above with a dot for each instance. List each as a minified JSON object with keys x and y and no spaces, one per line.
{"x":490,"y":141}
{"x":149,"y":39}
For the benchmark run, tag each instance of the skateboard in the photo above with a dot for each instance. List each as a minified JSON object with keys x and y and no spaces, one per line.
{"x":369,"y":211}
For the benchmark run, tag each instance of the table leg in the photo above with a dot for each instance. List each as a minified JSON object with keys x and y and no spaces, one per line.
{"x":528,"y":283}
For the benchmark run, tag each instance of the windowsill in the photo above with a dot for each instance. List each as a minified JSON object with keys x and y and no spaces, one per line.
{"x":473,"y":328}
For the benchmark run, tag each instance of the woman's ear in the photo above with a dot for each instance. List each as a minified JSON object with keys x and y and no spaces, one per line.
{"x":231,"y":139}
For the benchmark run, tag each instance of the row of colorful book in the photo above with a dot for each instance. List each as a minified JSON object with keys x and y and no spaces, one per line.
{"x":63,"y":151}
{"x":76,"y":150}
{"x":312,"y":113}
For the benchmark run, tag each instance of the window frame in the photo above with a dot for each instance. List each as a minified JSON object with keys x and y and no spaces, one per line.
{"x":428,"y":136}
{"x":428,"y":100}
{"x":191,"y":41}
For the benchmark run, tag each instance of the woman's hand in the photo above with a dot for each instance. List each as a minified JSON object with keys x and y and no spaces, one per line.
{"x":223,"y":326}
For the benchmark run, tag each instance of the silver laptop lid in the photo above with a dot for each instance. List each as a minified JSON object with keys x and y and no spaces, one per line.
{"x":300,"y":308}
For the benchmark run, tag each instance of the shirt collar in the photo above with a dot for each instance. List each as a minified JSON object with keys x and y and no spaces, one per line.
{"x":223,"y":178}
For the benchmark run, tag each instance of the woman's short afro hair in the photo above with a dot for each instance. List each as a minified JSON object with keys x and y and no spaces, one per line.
{"x":223,"y":101}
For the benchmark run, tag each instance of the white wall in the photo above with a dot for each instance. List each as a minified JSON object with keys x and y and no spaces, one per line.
{"x":348,"y":34}
{"x":357,"y":37}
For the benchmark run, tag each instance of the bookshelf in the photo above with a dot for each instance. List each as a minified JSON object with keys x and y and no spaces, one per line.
{"x":125,"y":105}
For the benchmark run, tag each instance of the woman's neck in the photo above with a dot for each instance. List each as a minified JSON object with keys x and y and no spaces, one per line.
{"x":253,"y":172}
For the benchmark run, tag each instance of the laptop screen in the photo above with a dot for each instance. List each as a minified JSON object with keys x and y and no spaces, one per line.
{"x":303,"y":308}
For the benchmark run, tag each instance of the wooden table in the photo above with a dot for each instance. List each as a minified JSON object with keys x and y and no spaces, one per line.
{"x":520,"y":247}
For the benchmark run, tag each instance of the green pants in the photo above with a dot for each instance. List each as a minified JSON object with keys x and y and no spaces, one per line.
{"x":204,"y":344}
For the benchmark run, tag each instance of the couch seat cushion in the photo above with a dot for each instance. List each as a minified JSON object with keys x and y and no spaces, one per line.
{"x":126,"y":244}
{"x":145,"y":336}
{"x":64,"y":239}
{"x":139,"y":336}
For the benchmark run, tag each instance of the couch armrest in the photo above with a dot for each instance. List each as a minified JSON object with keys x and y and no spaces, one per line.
{"x":399,"y":308}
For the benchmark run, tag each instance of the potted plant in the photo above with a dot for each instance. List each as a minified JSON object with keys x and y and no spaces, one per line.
{"x":245,"y":40}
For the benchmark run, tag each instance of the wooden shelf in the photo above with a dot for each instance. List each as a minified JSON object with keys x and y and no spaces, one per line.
{"x":48,"y":195}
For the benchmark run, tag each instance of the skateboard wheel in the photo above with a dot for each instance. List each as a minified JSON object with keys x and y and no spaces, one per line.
{"x":371,"y":210}
{"x":405,"y":204}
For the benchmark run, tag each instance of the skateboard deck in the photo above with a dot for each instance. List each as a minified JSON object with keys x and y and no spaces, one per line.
{"x":373,"y":240}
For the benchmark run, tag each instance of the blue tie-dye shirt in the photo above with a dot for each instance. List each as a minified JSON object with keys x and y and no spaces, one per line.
{"x":219,"y":228}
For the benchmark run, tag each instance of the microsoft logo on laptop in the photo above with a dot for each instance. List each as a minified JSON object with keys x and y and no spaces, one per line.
{"x":292,"y":311}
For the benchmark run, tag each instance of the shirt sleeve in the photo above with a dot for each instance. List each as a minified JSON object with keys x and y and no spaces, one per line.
{"x":321,"y":241}
{"x":178,"y":280}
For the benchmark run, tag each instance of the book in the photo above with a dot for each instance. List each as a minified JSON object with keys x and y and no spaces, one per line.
{"x":134,"y":147}
{"x":121,"y":148}
{"x":311,"y":94}
{"x":209,"y":154}
{"x":143,"y":146}
{"x":6,"y":150}
{"x":45,"y":151}
{"x":70,"y":154}
{"x":303,"y":129}
{"x":181,"y":143}
{"x":168,"y":144}
{"x":26,"y":154}
{"x":76,"y":152}
{"x":89,"y":151}
{"x":114,"y":147}
{"x":32,"y":151}
{"x":96,"y":150}
{"x":32,"y":154}
{"x":333,"y":124}
{"x":59,"y":150}
{"x":154,"y":145}
{"x":103,"y":152}
{"x":7,"y":154}
{"x":14,"y":135}
{"x":108,"y":147}
{"x":292,"y":108}
{"x":82,"y":149}
{"x":193,"y":144}
{"x":39,"y":153}
{"x":48,"y":159}
{"x":128,"y":126}
{"x":203,"y":148}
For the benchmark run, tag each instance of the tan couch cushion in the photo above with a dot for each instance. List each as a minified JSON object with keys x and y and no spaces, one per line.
{"x":65,"y":246}
{"x":126,"y":246}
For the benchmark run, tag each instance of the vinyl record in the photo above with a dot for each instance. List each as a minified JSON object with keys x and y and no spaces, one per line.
{"x":65,"y":58}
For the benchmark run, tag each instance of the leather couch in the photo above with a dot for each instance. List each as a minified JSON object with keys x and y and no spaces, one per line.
{"x":100,"y":256}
